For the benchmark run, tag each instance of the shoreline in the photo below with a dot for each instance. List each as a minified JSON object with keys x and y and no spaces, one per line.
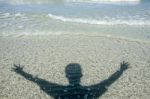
{"x":78,"y":35}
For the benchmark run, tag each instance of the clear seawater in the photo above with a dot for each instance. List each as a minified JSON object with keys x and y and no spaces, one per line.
{"x":130,"y":20}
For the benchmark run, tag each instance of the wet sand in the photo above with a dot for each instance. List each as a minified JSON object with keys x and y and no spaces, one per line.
{"x":47,"y":57}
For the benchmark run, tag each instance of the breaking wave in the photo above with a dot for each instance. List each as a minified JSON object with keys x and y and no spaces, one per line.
{"x":99,"y":22}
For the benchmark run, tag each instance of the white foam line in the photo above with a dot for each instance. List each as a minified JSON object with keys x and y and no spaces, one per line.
{"x":4,"y":15}
{"x":99,"y":22}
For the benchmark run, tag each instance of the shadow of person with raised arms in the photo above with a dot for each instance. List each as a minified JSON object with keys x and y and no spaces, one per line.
{"x":74,"y":90}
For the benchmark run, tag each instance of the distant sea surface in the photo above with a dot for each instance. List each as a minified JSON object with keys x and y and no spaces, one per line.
{"x":129,"y":20}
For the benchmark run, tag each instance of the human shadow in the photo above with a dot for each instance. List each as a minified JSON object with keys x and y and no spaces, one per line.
{"x":74,"y":90}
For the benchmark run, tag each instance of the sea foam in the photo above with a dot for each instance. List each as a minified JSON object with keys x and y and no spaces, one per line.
{"x":99,"y":22}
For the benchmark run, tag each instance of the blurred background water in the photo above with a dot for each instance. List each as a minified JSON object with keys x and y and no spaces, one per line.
{"x":128,"y":19}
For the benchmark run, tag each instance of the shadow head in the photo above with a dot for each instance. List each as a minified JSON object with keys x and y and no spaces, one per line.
{"x":73,"y":73}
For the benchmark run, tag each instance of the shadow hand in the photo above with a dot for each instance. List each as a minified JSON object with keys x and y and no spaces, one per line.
{"x":17,"y":68}
{"x":124,"y":65}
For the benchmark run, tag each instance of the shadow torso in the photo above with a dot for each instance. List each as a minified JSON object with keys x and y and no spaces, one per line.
{"x":80,"y":92}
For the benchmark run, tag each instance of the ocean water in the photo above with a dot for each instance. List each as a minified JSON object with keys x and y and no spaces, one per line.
{"x":129,"y":19}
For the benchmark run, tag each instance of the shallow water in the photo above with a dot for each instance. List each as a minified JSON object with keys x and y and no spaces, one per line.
{"x":123,"y":20}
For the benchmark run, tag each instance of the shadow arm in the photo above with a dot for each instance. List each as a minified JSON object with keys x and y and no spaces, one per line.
{"x":19,"y":70}
{"x":100,"y":88}
{"x":48,"y":87}
{"x":116,"y":75}
{"x":110,"y":80}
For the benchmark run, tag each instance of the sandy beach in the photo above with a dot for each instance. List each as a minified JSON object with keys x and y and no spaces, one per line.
{"x":47,"y":57}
